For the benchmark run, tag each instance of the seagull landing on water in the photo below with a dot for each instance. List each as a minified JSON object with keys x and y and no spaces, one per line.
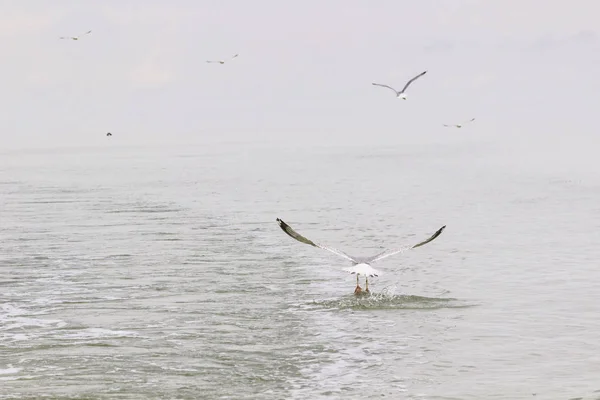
{"x":459,"y":125}
{"x":360,"y":265}
{"x":75,"y":37}
{"x":401,"y":94}
{"x":222,"y":61}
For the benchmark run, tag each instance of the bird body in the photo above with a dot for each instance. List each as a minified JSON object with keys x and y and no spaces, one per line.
{"x":363,"y":269}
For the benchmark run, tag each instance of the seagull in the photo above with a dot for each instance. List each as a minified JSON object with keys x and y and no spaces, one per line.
{"x":75,"y":37}
{"x":401,"y":94}
{"x":109,"y":134}
{"x":222,"y":61}
{"x":460,"y":125}
{"x":360,"y":265}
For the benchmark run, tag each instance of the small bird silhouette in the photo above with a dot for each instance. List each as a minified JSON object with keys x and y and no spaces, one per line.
{"x":222,"y":61}
{"x":75,"y":37}
{"x":459,"y":125}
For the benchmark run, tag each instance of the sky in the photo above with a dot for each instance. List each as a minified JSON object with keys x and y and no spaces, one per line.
{"x":524,"y":68}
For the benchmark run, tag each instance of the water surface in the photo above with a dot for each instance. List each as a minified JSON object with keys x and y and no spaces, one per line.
{"x":146,"y":272}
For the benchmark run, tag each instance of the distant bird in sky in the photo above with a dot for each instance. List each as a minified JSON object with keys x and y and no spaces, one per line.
{"x":360,"y":265}
{"x":75,"y":37}
{"x":109,"y":134}
{"x":401,"y":94}
{"x":222,"y":61}
{"x":459,"y":125}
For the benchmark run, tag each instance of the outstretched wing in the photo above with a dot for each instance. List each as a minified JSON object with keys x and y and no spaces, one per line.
{"x":388,"y":253}
{"x":412,"y":80}
{"x":449,"y":126}
{"x":213,"y":61}
{"x":288,"y":229}
{"x":234,"y":56}
{"x":471,"y":120}
{"x":385,"y":86}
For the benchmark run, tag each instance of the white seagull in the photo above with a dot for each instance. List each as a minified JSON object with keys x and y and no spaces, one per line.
{"x":460,"y":125}
{"x":222,"y":61}
{"x":75,"y":37}
{"x":360,"y":265}
{"x":401,"y":94}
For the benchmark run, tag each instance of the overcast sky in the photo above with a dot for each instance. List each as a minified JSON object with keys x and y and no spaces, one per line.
{"x":304,"y":73}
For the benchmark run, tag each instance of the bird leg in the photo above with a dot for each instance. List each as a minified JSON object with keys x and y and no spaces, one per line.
{"x":358,"y":289}
{"x":366,"y":284}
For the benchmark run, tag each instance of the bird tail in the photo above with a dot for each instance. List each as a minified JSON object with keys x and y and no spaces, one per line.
{"x":363,"y":269}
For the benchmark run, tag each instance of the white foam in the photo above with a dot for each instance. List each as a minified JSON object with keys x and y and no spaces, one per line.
{"x":7,"y":310}
{"x":19,"y":337}
{"x":97,"y":333}
{"x":10,"y":370}
{"x":23,"y":322}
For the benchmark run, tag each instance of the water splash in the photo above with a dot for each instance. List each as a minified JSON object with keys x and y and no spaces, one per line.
{"x":388,"y":299}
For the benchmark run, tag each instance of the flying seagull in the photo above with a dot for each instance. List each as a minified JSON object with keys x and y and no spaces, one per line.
{"x":222,"y":61}
{"x":460,"y":125}
{"x":360,"y":265}
{"x":109,"y":134}
{"x":401,"y":94}
{"x":75,"y":37}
